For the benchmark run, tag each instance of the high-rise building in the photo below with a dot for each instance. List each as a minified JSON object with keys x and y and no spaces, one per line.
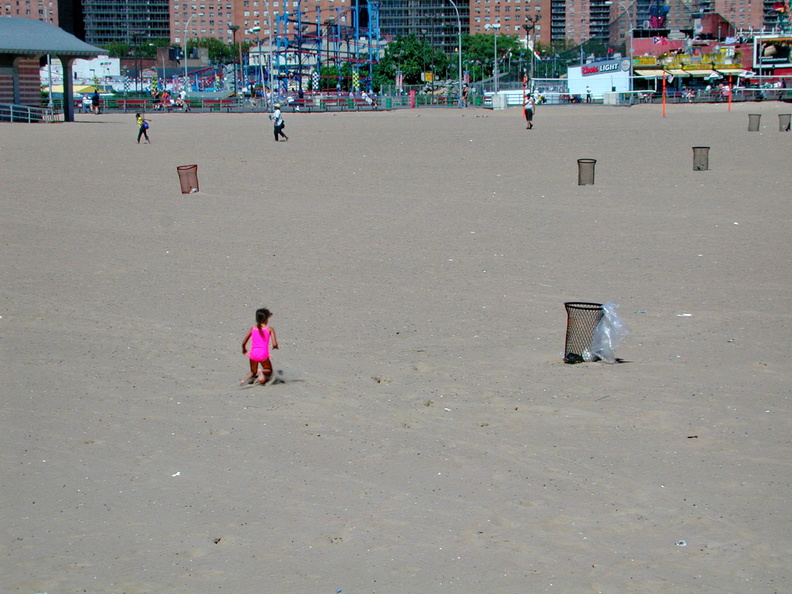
{"x":128,"y":21}
{"x":275,"y":18}
{"x":434,"y":21}
{"x":70,"y":17}
{"x":40,"y":10}
{"x":513,"y":16}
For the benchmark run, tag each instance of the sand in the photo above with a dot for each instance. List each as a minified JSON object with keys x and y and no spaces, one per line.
{"x":426,"y":436}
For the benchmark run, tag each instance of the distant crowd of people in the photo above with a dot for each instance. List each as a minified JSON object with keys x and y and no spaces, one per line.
{"x":166,"y":102}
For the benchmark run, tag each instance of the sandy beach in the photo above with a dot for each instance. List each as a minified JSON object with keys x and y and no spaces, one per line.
{"x":426,"y":435}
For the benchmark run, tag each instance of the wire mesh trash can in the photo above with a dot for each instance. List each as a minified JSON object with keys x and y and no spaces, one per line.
{"x":784,"y":120}
{"x":582,"y":319}
{"x":753,"y":122}
{"x":700,"y":158}
{"x":188,"y":178}
{"x":586,"y":171}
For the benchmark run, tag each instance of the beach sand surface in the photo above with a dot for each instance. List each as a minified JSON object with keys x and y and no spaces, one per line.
{"x":424,"y":434}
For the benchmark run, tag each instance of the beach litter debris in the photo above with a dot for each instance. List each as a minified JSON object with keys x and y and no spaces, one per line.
{"x":685,"y":315}
{"x":177,"y":474}
{"x":680,"y":543}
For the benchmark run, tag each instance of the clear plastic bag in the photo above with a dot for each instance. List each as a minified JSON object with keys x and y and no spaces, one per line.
{"x":610,"y":331}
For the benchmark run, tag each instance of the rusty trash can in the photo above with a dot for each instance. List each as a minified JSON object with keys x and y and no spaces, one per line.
{"x":188,"y":178}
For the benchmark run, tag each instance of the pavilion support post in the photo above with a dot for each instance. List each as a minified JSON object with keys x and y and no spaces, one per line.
{"x":68,"y":88}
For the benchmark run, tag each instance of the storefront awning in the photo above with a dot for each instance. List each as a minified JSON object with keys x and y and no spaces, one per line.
{"x":678,"y":72}
{"x":731,"y":71}
{"x":701,"y":73}
{"x":649,"y":73}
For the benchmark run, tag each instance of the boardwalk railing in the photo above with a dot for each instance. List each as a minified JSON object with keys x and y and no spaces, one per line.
{"x":11,"y":112}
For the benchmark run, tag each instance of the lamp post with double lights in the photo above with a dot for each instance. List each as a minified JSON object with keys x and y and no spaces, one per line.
{"x":529,"y":26}
{"x":494,"y":27}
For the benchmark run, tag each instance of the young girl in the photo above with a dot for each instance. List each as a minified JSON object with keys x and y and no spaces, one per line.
{"x":260,"y":336}
{"x":142,"y":127}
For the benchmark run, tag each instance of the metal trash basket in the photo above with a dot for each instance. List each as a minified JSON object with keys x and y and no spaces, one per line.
{"x":188,"y":178}
{"x":700,"y":158}
{"x":586,"y":171}
{"x":784,"y":122}
{"x":753,"y":122}
{"x":582,"y":319}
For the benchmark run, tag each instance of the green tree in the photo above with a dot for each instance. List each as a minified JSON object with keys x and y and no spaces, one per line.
{"x":118,"y":49}
{"x":219,"y":52}
{"x":479,"y":51}
{"x":411,"y":56}
{"x":148,"y":47}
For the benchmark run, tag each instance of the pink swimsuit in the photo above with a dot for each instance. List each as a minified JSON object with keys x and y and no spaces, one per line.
{"x":259,"y":344}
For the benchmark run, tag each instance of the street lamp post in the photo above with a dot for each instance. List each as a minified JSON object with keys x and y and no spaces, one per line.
{"x":184,"y":45}
{"x":530,"y":25}
{"x":255,"y":31}
{"x":495,"y":27}
{"x":626,"y":9}
{"x":459,"y":48}
{"x":234,"y":29}
{"x":136,"y":40}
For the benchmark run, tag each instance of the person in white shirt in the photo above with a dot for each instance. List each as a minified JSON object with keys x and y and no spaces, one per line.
{"x":277,"y":121}
{"x":528,"y":108}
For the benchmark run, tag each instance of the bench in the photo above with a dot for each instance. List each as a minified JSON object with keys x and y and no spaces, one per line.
{"x":217,"y":104}
{"x":346,"y":103}
{"x":133,"y":104}
{"x":301,"y":105}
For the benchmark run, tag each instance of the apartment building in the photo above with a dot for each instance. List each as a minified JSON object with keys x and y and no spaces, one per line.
{"x":127,"y":21}
{"x":193,"y":19}
{"x":515,"y":17}
{"x":40,"y":10}
{"x":434,"y":21}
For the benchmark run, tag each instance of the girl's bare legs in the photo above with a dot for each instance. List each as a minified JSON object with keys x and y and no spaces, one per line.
{"x":266,"y":371}
{"x":249,"y":377}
